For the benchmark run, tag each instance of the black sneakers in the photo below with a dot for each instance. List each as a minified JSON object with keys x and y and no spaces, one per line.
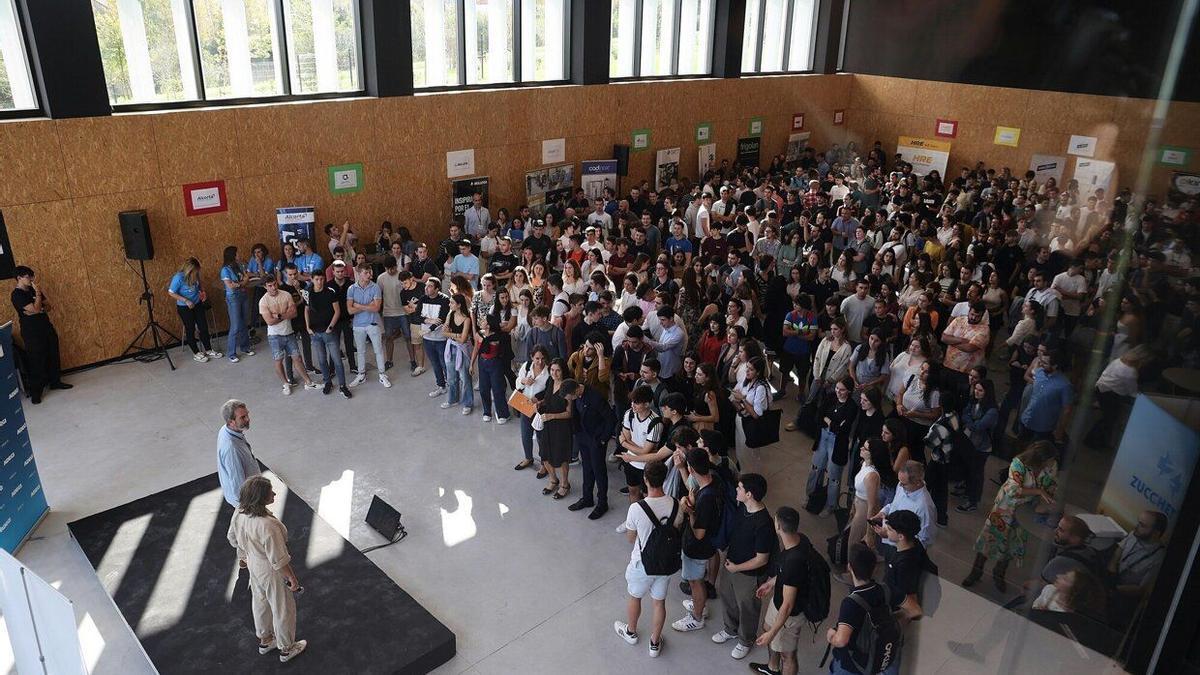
{"x":764,"y":669}
{"x":346,"y":392}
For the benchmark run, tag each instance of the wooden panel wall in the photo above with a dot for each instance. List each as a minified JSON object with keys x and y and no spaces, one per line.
{"x":63,"y":182}
{"x":884,"y":108}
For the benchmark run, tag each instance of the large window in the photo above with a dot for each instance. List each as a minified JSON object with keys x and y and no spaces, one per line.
{"x":658,"y":38}
{"x":778,"y":36}
{"x":16,"y":84}
{"x":481,"y":42}
{"x":161,"y":51}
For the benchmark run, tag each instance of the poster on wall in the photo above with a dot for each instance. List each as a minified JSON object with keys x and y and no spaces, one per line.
{"x":460,"y":163}
{"x":463,"y":192}
{"x":925,"y":154}
{"x":295,"y":222}
{"x":1082,"y":146}
{"x":554,"y":150}
{"x":597,"y":174}
{"x":1154,"y":462}
{"x":1184,"y":188}
{"x":1010,"y":136}
{"x":345,"y":178}
{"x":747,"y":151}
{"x":22,"y":502}
{"x":796,"y":144}
{"x":1092,"y":175}
{"x":203,"y":198}
{"x":1170,"y":155}
{"x":545,"y":186}
{"x":1047,"y":166}
{"x":706,"y":156}
{"x":666,"y":167}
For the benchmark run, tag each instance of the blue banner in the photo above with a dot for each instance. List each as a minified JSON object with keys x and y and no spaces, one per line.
{"x":22,"y":502}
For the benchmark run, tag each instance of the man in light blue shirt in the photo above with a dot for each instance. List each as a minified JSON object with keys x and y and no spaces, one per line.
{"x":476,"y":217}
{"x":843,"y":228}
{"x":466,"y":263}
{"x":235,"y":462}
{"x":364,"y":300}
{"x":911,"y":495}
{"x":669,"y":345}
{"x":306,"y":261}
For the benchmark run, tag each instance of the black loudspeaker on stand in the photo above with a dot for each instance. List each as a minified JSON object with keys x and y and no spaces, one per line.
{"x":135,"y":234}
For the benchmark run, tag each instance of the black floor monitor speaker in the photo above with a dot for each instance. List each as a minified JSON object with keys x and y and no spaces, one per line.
{"x":383,"y":518}
{"x":135,"y":234}
{"x":621,"y":154}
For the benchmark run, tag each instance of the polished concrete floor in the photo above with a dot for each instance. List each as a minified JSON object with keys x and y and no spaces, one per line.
{"x":526,"y":585}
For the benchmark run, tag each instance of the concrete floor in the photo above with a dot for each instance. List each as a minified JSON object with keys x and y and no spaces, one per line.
{"x":526,"y":585}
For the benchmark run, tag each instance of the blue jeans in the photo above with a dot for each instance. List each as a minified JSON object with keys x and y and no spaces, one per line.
{"x":527,"y":436}
{"x":326,"y":350}
{"x":492,"y":387}
{"x":435,"y":354}
{"x":822,"y":463}
{"x":238,"y":338}
{"x":459,"y":377}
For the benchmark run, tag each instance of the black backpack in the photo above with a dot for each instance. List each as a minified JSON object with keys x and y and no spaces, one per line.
{"x":877,"y":642}
{"x":727,"y":500}
{"x":816,"y":599}
{"x":663,"y":548}
{"x":958,"y":441}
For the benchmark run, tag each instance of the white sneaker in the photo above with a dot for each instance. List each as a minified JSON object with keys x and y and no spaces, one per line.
{"x":200,"y":357}
{"x":297,"y":647}
{"x":466,"y":410}
{"x":501,"y":420}
{"x":437,"y":392}
{"x":234,"y":359}
{"x":213,"y":354}
{"x":383,"y":379}
{"x":418,"y":371}
{"x":250,"y":352}
{"x":622,"y":630}
{"x":723,"y":637}
{"x":358,"y":379}
{"x":739,"y":651}
{"x":266,"y":649}
{"x":656,"y":649}
{"x":486,"y":417}
{"x":691,"y":607}
{"x":621,"y":529}
{"x":445,"y":404}
{"x":312,"y":385}
{"x":688,"y":623}
{"x":287,"y":390}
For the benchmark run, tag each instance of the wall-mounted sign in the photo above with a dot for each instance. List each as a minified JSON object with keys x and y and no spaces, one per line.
{"x":460,"y":163}
{"x":1082,"y":146}
{"x":1010,"y":136}
{"x":640,"y":140}
{"x":1169,"y":155}
{"x":946,"y":128}
{"x":756,"y":126}
{"x":554,"y":151}
{"x":203,"y":198}
{"x":797,"y":121}
{"x":462,"y":194}
{"x":345,"y":178}
{"x":925,"y":154}
{"x":1047,"y":166}
{"x":839,"y":117}
{"x":747,"y":151}
{"x":704,"y":132}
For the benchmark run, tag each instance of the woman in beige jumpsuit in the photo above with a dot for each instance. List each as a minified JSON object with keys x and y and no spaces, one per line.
{"x":261,"y":540}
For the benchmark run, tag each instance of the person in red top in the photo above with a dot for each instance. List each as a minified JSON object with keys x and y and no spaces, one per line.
{"x":708,"y":347}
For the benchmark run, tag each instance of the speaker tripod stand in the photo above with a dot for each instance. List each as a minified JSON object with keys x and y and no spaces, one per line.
{"x":154,"y":328}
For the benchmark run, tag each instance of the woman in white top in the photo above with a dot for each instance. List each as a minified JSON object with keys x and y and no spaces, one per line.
{"x":594,"y":262}
{"x":629,"y":296}
{"x":751,"y":396}
{"x":572,"y":281}
{"x":736,"y":315}
{"x":867,"y":493}
{"x":912,"y":291}
{"x":906,"y":363}
{"x":1032,"y":318}
{"x":832,"y":360}
{"x":519,"y":281}
{"x":531,"y":380}
{"x":843,"y":273}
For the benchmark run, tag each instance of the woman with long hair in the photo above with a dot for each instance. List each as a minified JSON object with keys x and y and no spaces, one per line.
{"x":523,"y":325}
{"x":869,"y":367}
{"x":1033,"y":320}
{"x":843,"y":273}
{"x":555,"y":439}
{"x":490,"y":359}
{"x":532,"y":377}
{"x":234,"y":279}
{"x":1032,"y":477}
{"x":261,"y":541}
{"x":919,"y":403}
{"x":519,"y":280}
{"x":460,"y":343}
{"x":789,"y":255}
{"x":867,"y":424}
{"x":833,"y":443}
{"x":873,"y":482}
{"x":187,"y":290}
{"x":979,"y":419}
{"x":727,"y":361}
{"x":573,"y":281}
{"x":708,"y":346}
{"x":505,"y":311}
{"x":736,"y":315}
{"x":913,"y":290}
{"x":629,"y":291}
{"x":752,"y":395}
{"x":593,"y":262}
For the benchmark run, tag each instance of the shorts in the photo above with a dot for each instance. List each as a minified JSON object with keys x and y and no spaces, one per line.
{"x":693,"y":570}
{"x":283,"y":346}
{"x":416,"y":331}
{"x":788,"y":637}
{"x":396,"y":324}
{"x":638,"y":582}
{"x":633,"y":475}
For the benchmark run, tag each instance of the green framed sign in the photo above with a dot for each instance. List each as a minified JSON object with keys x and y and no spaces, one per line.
{"x":756,"y":126}
{"x":345,"y":178}
{"x":704,"y":132}
{"x":1171,"y":155}
{"x":640,"y":140}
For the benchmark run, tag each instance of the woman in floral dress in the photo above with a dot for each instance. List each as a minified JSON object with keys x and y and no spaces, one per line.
{"x":1033,"y":475}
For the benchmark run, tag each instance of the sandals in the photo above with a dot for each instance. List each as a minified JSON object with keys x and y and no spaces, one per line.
{"x":550,"y":488}
{"x":563,"y":491}
{"x":524,"y":464}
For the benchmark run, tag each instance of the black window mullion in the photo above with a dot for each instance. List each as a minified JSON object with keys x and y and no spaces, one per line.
{"x":678,"y":36}
{"x":762,"y":30}
{"x":197,"y":67}
{"x":462,"y":43}
{"x":286,"y":69}
{"x":637,"y":39}
{"x":787,"y":35}
{"x":517,"y":18}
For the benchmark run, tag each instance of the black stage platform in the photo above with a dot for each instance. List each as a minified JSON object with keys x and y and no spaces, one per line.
{"x":168,"y":566}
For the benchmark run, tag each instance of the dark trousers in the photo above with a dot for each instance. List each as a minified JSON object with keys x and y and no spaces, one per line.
{"x":1011,"y":403}
{"x":492,"y":387}
{"x":974,"y":464}
{"x":956,"y":382}
{"x":41,"y":353}
{"x":800,"y":365}
{"x":937,"y":478}
{"x":346,"y":330}
{"x":595,"y":468}
{"x":194,"y":322}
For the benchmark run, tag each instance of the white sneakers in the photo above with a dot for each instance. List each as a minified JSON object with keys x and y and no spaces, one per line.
{"x":445,"y":404}
{"x":383,"y":379}
{"x":438,"y":392}
{"x":655,"y":648}
{"x":297,"y":647}
{"x":200,"y":357}
{"x":501,"y":420}
{"x":312,"y":385}
{"x":723,"y":637}
{"x":486,"y":418}
{"x":688,"y":623}
{"x":358,"y":379}
{"x":266,"y":648}
{"x":287,"y":389}
{"x":622,"y":630}
{"x":739,"y":651}
{"x":416,"y":372}
{"x":213,"y":354}
{"x":466,"y":410}
{"x":691,"y":607}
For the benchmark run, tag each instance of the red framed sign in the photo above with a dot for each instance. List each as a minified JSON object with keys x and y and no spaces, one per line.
{"x":945,"y":128}
{"x":797,"y":121}
{"x":204,"y":198}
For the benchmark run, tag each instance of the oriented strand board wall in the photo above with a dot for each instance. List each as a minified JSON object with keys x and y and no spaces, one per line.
{"x":62,"y":182}
{"x":884,"y":108}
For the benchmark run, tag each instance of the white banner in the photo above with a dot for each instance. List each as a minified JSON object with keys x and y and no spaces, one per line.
{"x":460,"y":163}
{"x":40,"y":622}
{"x":554,"y":151}
{"x":1048,"y":166}
{"x":1092,"y":175}
{"x":666,"y":167}
{"x":597,"y":174}
{"x":707,"y":157}
{"x":925,"y":154}
{"x":1082,"y":146}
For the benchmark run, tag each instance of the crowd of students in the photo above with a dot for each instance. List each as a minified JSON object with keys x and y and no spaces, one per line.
{"x":659,"y":319}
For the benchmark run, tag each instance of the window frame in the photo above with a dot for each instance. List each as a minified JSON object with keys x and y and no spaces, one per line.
{"x":280,"y":25}
{"x":789,"y":10}
{"x":517,"y":65}
{"x":677,"y":30}
{"x":34,"y":81}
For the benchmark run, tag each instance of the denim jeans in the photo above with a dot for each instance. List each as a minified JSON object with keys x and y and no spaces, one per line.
{"x":345,"y":330}
{"x":361,"y":334}
{"x":492,"y":387}
{"x":238,"y":338}
{"x":458,"y":375}
{"x":327,"y":351}
{"x":595,"y":468}
{"x":435,"y":355}
{"x":822,"y":463}
{"x":526,"y":436}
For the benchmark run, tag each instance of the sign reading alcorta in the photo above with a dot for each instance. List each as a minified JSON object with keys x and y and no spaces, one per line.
{"x":925,"y":154}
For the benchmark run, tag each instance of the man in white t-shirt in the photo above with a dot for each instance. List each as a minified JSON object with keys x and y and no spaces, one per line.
{"x":1046,"y":296}
{"x":638,"y":527}
{"x":599,"y":218}
{"x":641,"y":440}
{"x":1072,"y":288}
{"x":704,"y":216}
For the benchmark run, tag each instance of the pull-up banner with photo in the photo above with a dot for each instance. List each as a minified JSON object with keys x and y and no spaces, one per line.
{"x":463,"y":193}
{"x":666,"y":167}
{"x":1047,"y":166}
{"x":706,"y":157}
{"x":1092,"y":175}
{"x":22,"y":502}
{"x":925,"y":154}
{"x":1184,"y":187}
{"x":545,"y":186}
{"x":796,"y":144}
{"x":747,"y":151}
{"x":295,"y":222}
{"x":597,"y":174}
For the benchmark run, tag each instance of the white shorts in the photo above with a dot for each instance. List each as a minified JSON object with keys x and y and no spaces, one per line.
{"x":638,"y":582}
